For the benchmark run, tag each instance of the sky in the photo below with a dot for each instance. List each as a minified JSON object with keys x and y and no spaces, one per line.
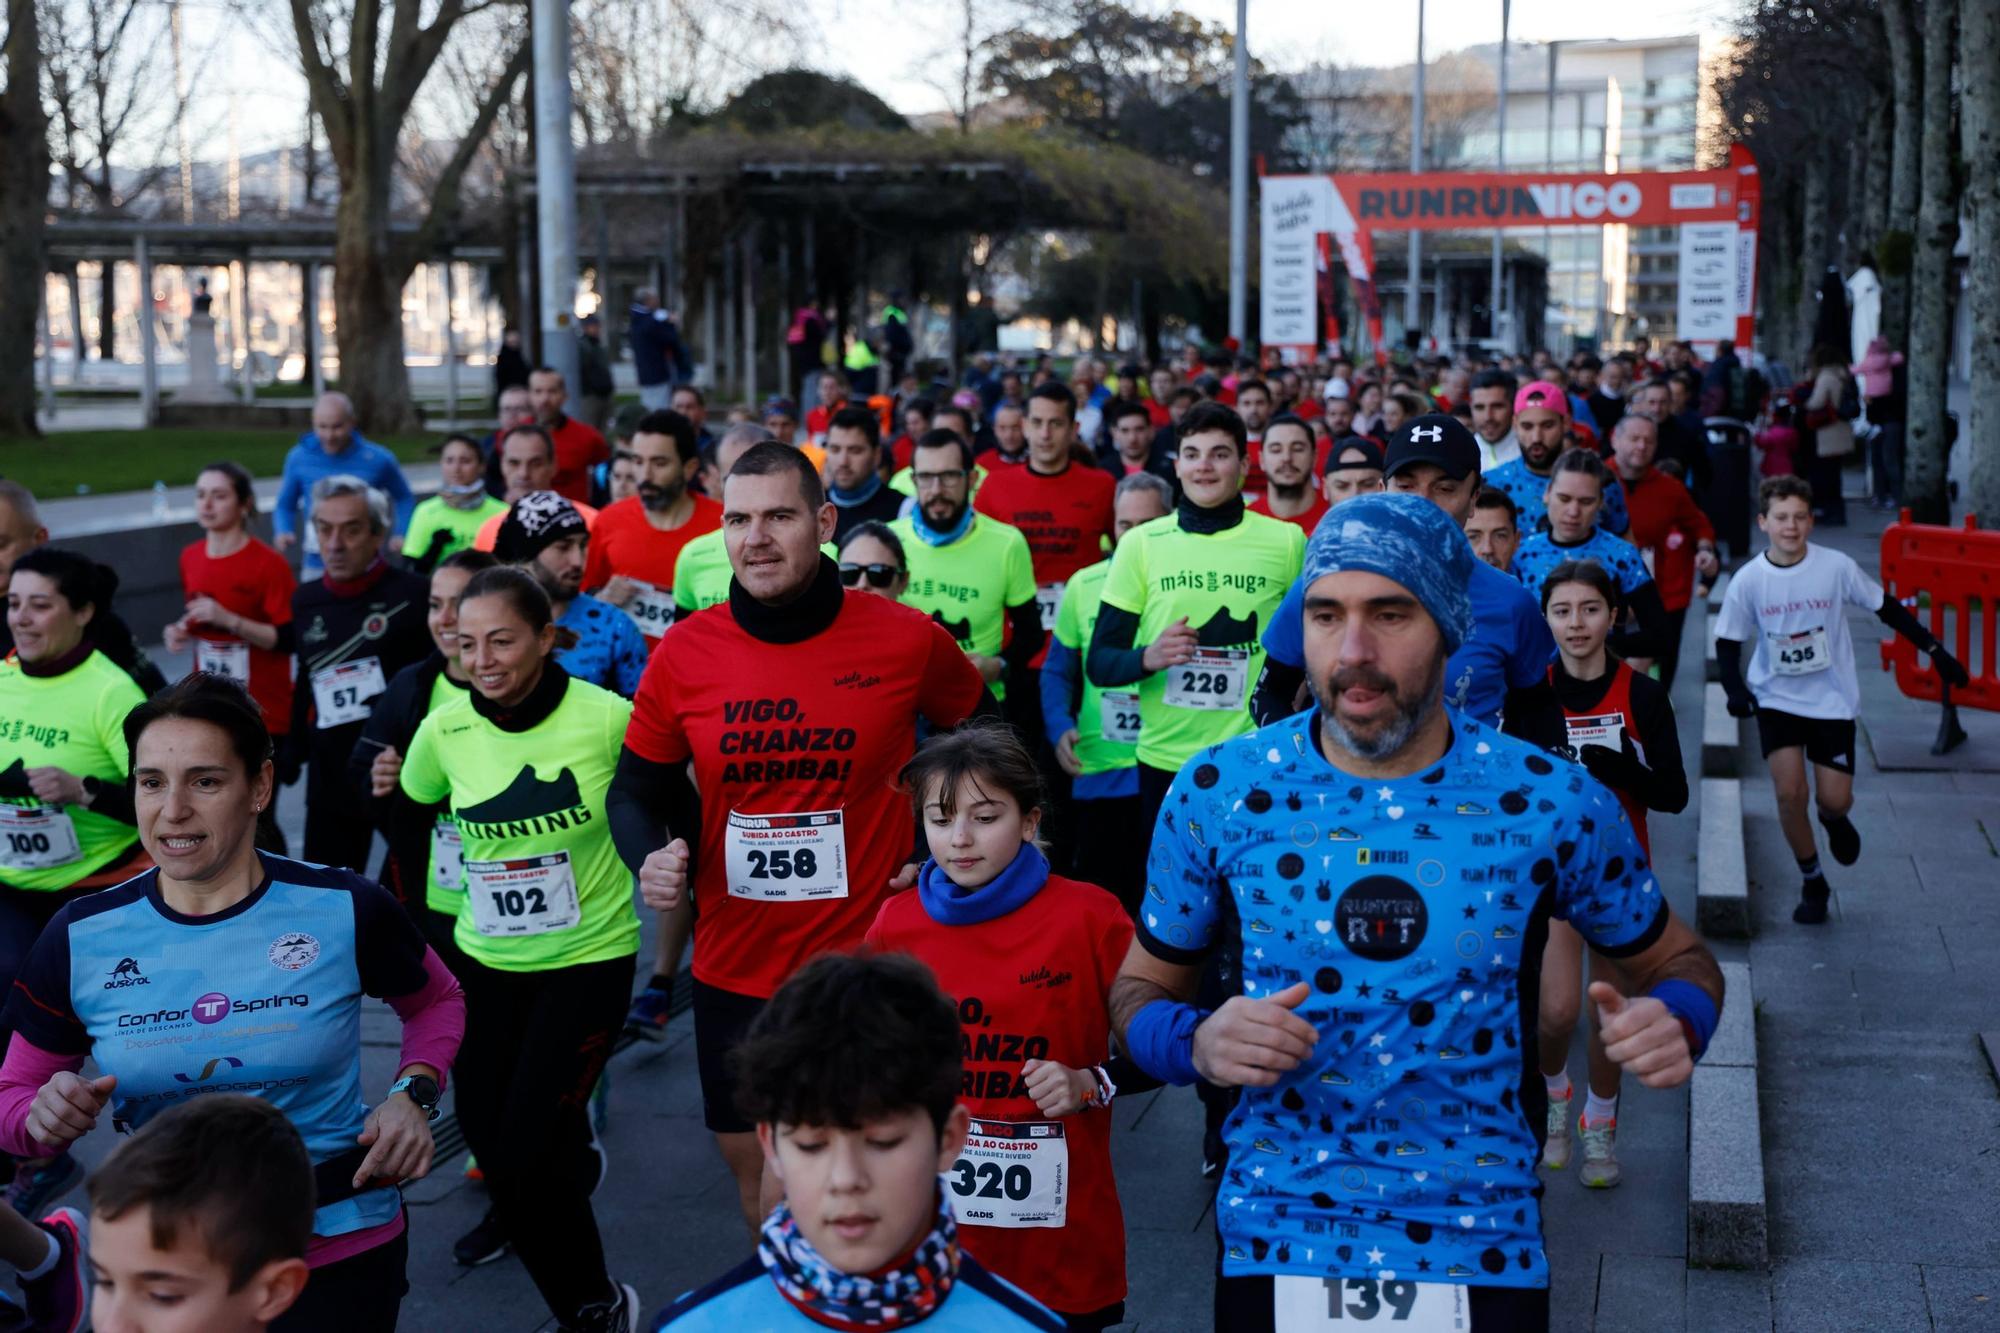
{"x":885,"y":44}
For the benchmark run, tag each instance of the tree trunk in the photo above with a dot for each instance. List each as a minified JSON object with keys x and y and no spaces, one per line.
{"x":107,"y":310}
{"x":24,"y":195}
{"x":1873,"y":195}
{"x":368,"y":309}
{"x":1979,"y":100}
{"x":1813,"y":241}
{"x":1906,"y":93}
{"x":1930,"y":276}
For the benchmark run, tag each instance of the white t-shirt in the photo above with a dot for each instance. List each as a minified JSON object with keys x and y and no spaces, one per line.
{"x":1794,"y":618}
{"x":1503,"y":451}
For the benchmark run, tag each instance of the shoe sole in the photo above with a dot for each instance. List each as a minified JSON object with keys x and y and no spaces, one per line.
{"x":1599,"y":1182}
{"x":79,"y":1229}
{"x":483,"y":1260}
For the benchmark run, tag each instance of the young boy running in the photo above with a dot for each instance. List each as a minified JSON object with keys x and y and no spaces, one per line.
{"x":1787,"y":604}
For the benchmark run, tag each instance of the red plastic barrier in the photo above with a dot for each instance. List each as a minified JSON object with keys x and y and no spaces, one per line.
{"x":1959,"y":569}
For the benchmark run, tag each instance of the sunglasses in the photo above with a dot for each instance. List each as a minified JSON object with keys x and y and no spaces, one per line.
{"x":879,"y":576}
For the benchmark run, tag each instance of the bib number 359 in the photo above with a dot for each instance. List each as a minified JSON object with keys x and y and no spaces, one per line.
{"x":1311,"y":1304}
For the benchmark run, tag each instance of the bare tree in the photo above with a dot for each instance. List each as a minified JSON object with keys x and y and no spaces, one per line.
{"x":363,"y":89}
{"x":1930,"y":276}
{"x":1906,"y":92}
{"x":1979,"y":31}
{"x":24,"y":193}
{"x":957,"y":68}
{"x":637,"y":64}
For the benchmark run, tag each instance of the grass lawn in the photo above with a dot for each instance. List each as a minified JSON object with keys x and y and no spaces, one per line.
{"x":132,"y":460}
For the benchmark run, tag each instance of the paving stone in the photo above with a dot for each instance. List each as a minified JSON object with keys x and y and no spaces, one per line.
{"x":1814,"y":1296}
{"x":1962,"y":1300}
{"x":1641,"y":1291}
{"x":1726,"y":1205}
{"x":1719,"y":1300}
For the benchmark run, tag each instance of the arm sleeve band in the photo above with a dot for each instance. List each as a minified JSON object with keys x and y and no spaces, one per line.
{"x":1160,"y":1040}
{"x":1729,"y":661}
{"x":1898,"y":618}
{"x":1693,"y":1006}
{"x":647,"y":805}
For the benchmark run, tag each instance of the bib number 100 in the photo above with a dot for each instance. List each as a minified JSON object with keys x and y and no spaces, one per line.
{"x":782,"y":863}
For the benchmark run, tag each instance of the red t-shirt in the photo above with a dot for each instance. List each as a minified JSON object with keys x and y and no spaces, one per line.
{"x":820,"y":725}
{"x":622,"y":542}
{"x":1065,"y":518}
{"x":819,"y":419}
{"x":1032,"y":985}
{"x":1254,"y":480}
{"x":902,"y":449}
{"x":1156,"y":412}
{"x":1307,"y":520}
{"x":257,"y":583}
{"x":579,"y":447}
{"x":1667,"y":526}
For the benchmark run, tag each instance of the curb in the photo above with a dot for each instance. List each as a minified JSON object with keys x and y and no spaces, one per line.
{"x":1722,"y":878}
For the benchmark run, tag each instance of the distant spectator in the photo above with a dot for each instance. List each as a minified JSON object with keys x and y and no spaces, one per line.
{"x":659,"y":357}
{"x":333,"y":448}
{"x":510,"y":364}
{"x":593,"y":376}
{"x":690,"y":403}
{"x":805,"y":344}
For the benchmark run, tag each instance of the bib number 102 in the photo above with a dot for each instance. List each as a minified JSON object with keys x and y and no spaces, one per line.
{"x":519,"y":902}
{"x":988,"y":1180}
{"x":783,"y":863}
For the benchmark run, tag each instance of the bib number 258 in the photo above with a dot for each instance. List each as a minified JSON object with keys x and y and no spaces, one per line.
{"x":781,"y":863}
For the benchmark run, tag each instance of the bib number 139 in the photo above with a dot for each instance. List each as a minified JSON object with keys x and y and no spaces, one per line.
{"x":1309,"y":1304}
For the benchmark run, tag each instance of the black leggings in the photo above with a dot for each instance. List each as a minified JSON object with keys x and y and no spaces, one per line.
{"x":359,"y":1294}
{"x":535,"y":1044}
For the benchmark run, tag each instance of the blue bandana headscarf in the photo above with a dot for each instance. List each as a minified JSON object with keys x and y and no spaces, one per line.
{"x":1407,"y":539}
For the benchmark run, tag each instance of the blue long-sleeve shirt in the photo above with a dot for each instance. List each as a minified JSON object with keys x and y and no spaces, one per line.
{"x":309,"y":462}
{"x":1062,"y":680}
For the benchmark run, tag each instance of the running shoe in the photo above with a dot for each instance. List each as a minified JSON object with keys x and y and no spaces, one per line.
{"x":1842,"y":839}
{"x":647,"y":1018}
{"x":37,"y":1184}
{"x":59,"y":1300}
{"x":1600,"y":1158}
{"x":1813,"y":895}
{"x":1555,"y":1153}
{"x":620,"y":1314}
{"x":483,"y":1244}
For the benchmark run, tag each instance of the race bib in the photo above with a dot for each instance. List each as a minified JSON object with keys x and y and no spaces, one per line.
{"x":1313,"y":1304}
{"x":342,"y":694}
{"x":1800,"y":654}
{"x":1118,"y":716}
{"x":36,"y":837}
{"x":531,"y":895}
{"x":791,"y":858}
{"x":229,"y":658}
{"x":1012,"y":1173}
{"x":1606,"y":729}
{"x":651,"y":608}
{"x":447,"y":855}
{"x":1214,"y":679}
{"x":1048,"y":600}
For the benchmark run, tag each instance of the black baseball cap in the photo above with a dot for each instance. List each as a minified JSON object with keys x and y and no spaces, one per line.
{"x":1435,"y":438}
{"x":1370,"y":460}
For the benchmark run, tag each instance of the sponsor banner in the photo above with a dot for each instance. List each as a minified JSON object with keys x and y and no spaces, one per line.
{"x":1443,"y":200}
{"x":1708,"y":282}
{"x":1296,"y":209}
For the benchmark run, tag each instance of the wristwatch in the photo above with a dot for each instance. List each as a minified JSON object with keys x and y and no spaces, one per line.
{"x":423,"y":1090}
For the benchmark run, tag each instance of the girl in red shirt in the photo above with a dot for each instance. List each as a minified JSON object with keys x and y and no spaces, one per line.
{"x":1029,"y":958}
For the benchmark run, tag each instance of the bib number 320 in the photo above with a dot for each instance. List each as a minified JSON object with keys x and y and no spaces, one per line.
{"x":1012,"y":1173}
{"x":1311,"y":1304}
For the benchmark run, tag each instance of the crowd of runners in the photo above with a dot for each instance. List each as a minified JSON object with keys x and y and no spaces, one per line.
{"x":986,"y":751}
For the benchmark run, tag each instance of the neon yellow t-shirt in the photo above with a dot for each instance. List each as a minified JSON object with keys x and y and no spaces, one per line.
{"x":968,"y":585}
{"x":1227,"y":584}
{"x":544,"y":887}
{"x":75,"y":722}
{"x":1076,"y":619}
{"x":460,"y":526}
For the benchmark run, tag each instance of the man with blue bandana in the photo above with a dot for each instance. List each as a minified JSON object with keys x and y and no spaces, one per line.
{"x":1393,"y":864}
{"x":1508,"y":646}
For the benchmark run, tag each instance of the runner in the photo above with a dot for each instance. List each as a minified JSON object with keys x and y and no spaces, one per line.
{"x":1353,"y":467}
{"x":1197,"y":590}
{"x":634,"y":543}
{"x":1492,"y":401}
{"x":1493,"y":528}
{"x":334,"y":447}
{"x":1094,"y":730}
{"x":970,"y":572}
{"x":1289,"y":455}
{"x":701,"y":573}
{"x":548,"y":933}
{"x":832,"y":397}
{"x":852,"y":1075}
{"x":797,"y":704}
{"x":1541,"y":423}
{"x":200,"y":1221}
{"x":1618,"y":723}
{"x":449,"y":520}
{"x":1674,"y":537}
{"x":1033,"y":1185}
{"x":1380,"y":1066}
{"x":224,"y":939}
{"x":545,"y":535}
{"x":1253,"y":404}
{"x":356,"y":627}
{"x":422,"y":867}
{"x":854,"y":472}
{"x":622,"y":481}
{"x":515,"y":408}
{"x":1437,"y":458}
{"x":918,"y":416}
{"x":1010,"y":437}
{"x":66,"y":822}
{"x":872,"y":557}
{"x":579,"y":446}
{"x":1573,"y":503}
{"x":239,"y":607}
{"x":528,"y":464}
{"x":1135,"y":445}
{"x":1801,"y":685}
